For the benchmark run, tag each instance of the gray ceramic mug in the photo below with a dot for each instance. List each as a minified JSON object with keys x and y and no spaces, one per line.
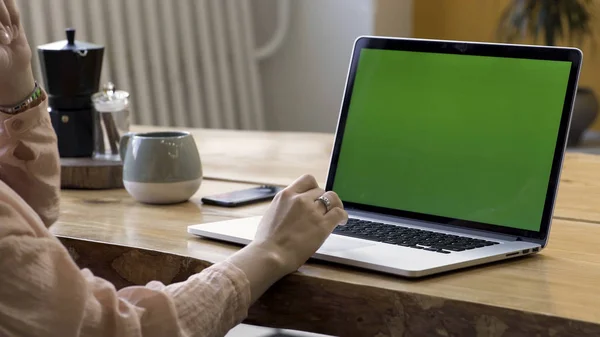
{"x":160,"y":167}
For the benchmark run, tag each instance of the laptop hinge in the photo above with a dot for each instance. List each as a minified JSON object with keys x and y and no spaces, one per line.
{"x":353,"y":213}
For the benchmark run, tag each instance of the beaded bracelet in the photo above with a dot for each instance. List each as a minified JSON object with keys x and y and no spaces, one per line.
{"x":26,"y":104}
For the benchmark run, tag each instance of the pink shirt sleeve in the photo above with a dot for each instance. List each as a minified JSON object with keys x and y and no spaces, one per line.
{"x":29,"y":160}
{"x":43,"y":292}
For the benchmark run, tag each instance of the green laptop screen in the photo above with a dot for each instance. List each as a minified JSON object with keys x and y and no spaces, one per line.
{"x":457,"y":136}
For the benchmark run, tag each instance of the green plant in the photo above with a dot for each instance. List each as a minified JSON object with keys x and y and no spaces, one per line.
{"x":567,"y":20}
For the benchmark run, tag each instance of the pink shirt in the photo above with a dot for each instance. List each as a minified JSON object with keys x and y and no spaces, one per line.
{"x":44,"y":293}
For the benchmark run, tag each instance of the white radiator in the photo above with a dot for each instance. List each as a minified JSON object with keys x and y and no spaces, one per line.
{"x":185,"y":62}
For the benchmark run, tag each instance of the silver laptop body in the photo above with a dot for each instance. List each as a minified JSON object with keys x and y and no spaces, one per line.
{"x":419,"y":243}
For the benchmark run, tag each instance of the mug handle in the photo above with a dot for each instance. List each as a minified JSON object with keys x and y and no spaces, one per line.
{"x":124,"y":143}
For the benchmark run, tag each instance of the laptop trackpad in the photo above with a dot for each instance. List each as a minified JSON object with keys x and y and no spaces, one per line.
{"x":338,"y":243}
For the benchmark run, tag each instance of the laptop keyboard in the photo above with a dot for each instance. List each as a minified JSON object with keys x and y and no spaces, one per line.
{"x":410,"y":237}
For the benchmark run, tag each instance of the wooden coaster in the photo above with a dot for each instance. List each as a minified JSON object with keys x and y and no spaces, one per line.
{"x":91,"y":173}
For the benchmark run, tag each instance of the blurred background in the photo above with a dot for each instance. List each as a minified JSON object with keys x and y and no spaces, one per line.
{"x":278,"y":64}
{"x":247,"y":64}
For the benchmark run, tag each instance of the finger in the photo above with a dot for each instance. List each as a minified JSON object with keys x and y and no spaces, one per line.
{"x":13,"y":12}
{"x":333,"y":198}
{"x":5,"y":37}
{"x":336,"y":217}
{"x":313,"y":194}
{"x":5,"y":17}
{"x":304,"y":183}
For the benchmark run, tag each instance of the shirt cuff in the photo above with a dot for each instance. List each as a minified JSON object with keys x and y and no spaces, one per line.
{"x":12,"y":126}
{"x":215,"y":300}
{"x":238,"y":279}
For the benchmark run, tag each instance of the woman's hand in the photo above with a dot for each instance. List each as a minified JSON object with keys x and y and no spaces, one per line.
{"x":297,"y":224}
{"x":16,"y":77}
{"x":293,"y":228}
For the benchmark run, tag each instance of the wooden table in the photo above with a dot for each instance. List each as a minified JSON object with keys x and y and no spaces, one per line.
{"x":555,"y":293}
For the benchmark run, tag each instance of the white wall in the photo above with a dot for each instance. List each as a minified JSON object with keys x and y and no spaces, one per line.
{"x":394,"y":18}
{"x":303,"y":83}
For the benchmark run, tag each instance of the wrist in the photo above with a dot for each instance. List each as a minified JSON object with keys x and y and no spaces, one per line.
{"x":16,"y":87}
{"x":272,"y":257}
{"x":262,"y":266}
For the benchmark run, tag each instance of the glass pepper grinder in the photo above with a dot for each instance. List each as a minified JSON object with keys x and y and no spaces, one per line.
{"x":112,"y":121}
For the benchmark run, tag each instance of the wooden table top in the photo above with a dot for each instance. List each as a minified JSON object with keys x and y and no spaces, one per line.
{"x":553,"y":293}
{"x":281,"y":157}
{"x":260,"y":157}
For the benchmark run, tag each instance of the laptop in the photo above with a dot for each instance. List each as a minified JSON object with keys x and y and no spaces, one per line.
{"x":447,"y":154}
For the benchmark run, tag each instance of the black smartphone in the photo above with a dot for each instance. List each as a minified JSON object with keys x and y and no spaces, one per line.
{"x":243,"y":197}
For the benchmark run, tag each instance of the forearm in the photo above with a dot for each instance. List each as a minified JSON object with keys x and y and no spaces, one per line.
{"x":38,"y":274}
{"x":29,"y":161}
{"x":16,"y":88}
{"x":262,"y":265}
